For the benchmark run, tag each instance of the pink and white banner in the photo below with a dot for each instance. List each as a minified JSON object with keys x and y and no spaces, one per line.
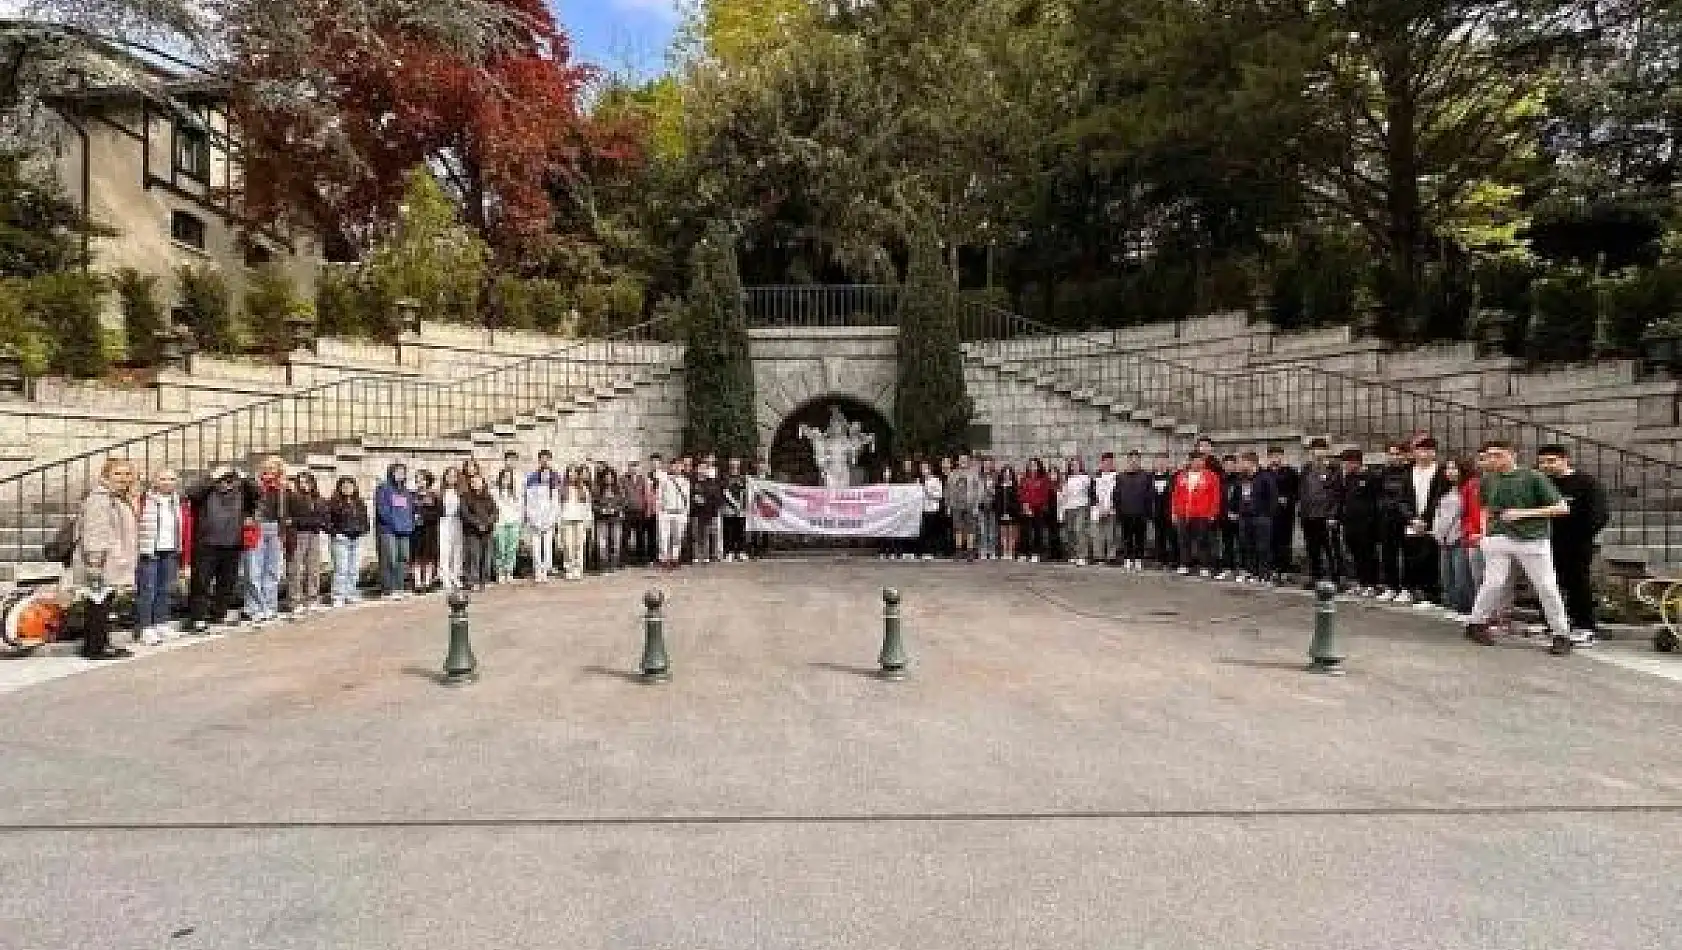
{"x":868,"y":511}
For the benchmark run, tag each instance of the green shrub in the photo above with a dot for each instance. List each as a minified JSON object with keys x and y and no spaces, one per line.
{"x":144,"y":321}
{"x":342,"y":303}
{"x":1562,"y":325}
{"x":551,"y":305}
{"x":1632,"y":301}
{"x":511,"y":301}
{"x":718,"y":371}
{"x":20,"y":329}
{"x":271,"y":300}
{"x":67,"y":306}
{"x":207,"y":309}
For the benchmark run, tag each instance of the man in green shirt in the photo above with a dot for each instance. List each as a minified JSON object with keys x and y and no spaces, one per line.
{"x":1517,"y":505}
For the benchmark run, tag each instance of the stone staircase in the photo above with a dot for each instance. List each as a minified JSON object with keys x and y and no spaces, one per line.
{"x":349,"y":413}
{"x":1241,"y":402}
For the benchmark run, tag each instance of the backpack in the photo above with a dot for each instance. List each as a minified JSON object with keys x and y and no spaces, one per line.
{"x":62,"y":548}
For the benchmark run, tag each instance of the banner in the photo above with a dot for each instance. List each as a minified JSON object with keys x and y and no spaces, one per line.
{"x":868,"y":511}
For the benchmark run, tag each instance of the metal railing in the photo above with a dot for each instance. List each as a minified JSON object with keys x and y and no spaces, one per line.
{"x":1303,"y":401}
{"x":34,"y":501}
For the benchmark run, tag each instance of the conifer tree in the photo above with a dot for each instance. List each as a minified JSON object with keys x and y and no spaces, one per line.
{"x":932,"y":409}
{"x":718,"y":371}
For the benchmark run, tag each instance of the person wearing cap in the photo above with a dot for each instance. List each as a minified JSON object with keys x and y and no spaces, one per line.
{"x":220,"y":508}
{"x":1319,"y":496}
{"x":1422,"y":555}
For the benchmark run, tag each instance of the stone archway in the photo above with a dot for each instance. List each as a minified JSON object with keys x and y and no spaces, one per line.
{"x":794,"y":367}
{"x":790,"y":456}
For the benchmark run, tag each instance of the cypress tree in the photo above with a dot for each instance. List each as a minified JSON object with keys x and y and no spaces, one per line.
{"x":718,"y":372}
{"x":932,"y":408}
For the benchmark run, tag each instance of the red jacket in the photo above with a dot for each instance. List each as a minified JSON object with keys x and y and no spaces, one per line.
{"x":1202,"y":502}
{"x":1471,"y":513}
{"x":1034,"y":492}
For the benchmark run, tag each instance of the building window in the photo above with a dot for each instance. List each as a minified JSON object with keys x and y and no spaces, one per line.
{"x":187,"y":229}
{"x":192,"y":152}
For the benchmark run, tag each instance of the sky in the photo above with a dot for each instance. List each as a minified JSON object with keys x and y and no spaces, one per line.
{"x":619,"y":34}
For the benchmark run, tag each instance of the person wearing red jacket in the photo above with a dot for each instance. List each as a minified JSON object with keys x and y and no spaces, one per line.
{"x":1038,"y":512}
{"x":1196,"y":504}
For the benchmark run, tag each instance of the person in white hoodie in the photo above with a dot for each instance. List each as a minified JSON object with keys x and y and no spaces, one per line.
{"x":451,"y":543}
{"x":934,"y":494}
{"x":1074,"y":509}
{"x":542,"y":511}
{"x":510,"y":515}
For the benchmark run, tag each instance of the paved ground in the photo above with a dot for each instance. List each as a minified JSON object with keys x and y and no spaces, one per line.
{"x":1080,"y":759}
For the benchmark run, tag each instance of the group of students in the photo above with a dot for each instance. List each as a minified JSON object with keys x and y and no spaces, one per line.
{"x":244,"y":542}
{"x":1443,"y":535}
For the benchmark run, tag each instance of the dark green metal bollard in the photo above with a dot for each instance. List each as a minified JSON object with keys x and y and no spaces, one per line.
{"x":655,"y":667}
{"x":460,"y":666}
{"x":1323,"y":650}
{"x":892,"y":659}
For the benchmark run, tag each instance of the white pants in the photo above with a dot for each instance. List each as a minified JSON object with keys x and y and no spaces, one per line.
{"x":572,"y":546}
{"x":450,"y":552}
{"x":542,"y":552}
{"x":1536,"y":559}
{"x":670,"y":528}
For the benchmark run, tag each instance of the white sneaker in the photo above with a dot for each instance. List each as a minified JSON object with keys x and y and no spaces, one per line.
{"x":1206,"y":574}
{"x":1033,"y":559}
{"x":1224,"y":576}
{"x":1183,"y":571}
{"x":928,"y":557}
{"x":1079,"y":562}
{"x":1425,"y":605}
{"x":150,"y":637}
{"x":1402,"y":597}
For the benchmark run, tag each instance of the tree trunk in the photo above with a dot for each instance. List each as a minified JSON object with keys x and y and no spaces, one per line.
{"x":1404,"y":231}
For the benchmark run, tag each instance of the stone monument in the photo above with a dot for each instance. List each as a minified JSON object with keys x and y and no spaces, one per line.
{"x":836,"y":448}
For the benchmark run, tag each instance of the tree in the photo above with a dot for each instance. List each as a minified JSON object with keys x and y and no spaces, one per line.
{"x":932,"y":407}
{"x":41,"y":230}
{"x":271,"y":301}
{"x":430,"y":256}
{"x":206,"y":309}
{"x":495,"y":129}
{"x":718,"y":370}
{"x":67,"y":304}
{"x":144,"y":320}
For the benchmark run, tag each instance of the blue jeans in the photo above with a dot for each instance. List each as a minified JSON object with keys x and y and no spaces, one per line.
{"x":346,"y":563}
{"x":154,"y":582}
{"x":987,"y":534}
{"x":1455,"y":570}
{"x":393,"y":552}
{"x":264,"y":566}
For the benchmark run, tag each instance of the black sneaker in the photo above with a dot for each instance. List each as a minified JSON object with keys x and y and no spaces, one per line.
{"x":1479,"y":633}
{"x":1561,"y":646}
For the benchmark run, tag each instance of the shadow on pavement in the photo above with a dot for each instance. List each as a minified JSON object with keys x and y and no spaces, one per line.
{"x":628,"y":676}
{"x":869,"y":671}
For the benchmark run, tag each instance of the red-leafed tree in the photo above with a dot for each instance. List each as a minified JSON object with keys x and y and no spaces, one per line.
{"x":330,"y":127}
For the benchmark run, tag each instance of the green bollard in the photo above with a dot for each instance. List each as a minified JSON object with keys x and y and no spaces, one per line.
{"x":1323,"y":650}
{"x":655,"y":668}
{"x":892,"y":659}
{"x":460,"y":666}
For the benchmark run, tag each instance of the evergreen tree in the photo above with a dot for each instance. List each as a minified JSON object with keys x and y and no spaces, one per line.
{"x":718,"y":373}
{"x":143,"y":316}
{"x":932,"y":410}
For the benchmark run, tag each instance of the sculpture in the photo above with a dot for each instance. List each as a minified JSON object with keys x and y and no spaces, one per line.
{"x":836,"y":448}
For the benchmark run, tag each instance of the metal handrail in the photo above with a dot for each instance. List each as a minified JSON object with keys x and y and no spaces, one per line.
{"x":1644,"y":488}
{"x":360,"y":405}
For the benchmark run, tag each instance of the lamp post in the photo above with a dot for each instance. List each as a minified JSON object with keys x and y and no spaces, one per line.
{"x":12,"y":378}
{"x":408,"y":321}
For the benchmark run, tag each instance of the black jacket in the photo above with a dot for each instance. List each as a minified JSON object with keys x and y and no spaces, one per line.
{"x":478,"y":513}
{"x":706,"y":497}
{"x":1590,"y":510}
{"x":1251,"y":496}
{"x":1320,"y":489}
{"x":1006,"y":502}
{"x":1288,"y":483}
{"x":308,"y":513}
{"x":219,"y":517}
{"x":347,"y":517}
{"x":1361,"y":497}
{"x":1162,"y":495}
{"x":1135,"y":496}
{"x":1409,"y":506}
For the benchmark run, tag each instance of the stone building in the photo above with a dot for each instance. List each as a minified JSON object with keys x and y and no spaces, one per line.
{"x":150,"y":151}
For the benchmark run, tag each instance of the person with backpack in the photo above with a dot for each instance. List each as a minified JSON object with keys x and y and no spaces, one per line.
{"x":305,"y":543}
{"x":163,"y":531}
{"x":221,"y":509}
{"x":347,"y":523}
{"x":106,"y":556}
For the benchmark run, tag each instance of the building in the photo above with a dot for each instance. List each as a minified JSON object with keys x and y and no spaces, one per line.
{"x":149,"y":150}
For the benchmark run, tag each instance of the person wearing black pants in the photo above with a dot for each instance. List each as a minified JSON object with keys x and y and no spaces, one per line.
{"x":1358,"y":517}
{"x":1287,"y":483}
{"x":220,"y":510}
{"x":1134,"y":504}
{"x":1320,"y":495}
{"x":735,"y":512}
{"x":1167,"y":538}
{"x":1396,"y":486}
{"x":1426,"y":486}
{"x":1573,"y":537}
